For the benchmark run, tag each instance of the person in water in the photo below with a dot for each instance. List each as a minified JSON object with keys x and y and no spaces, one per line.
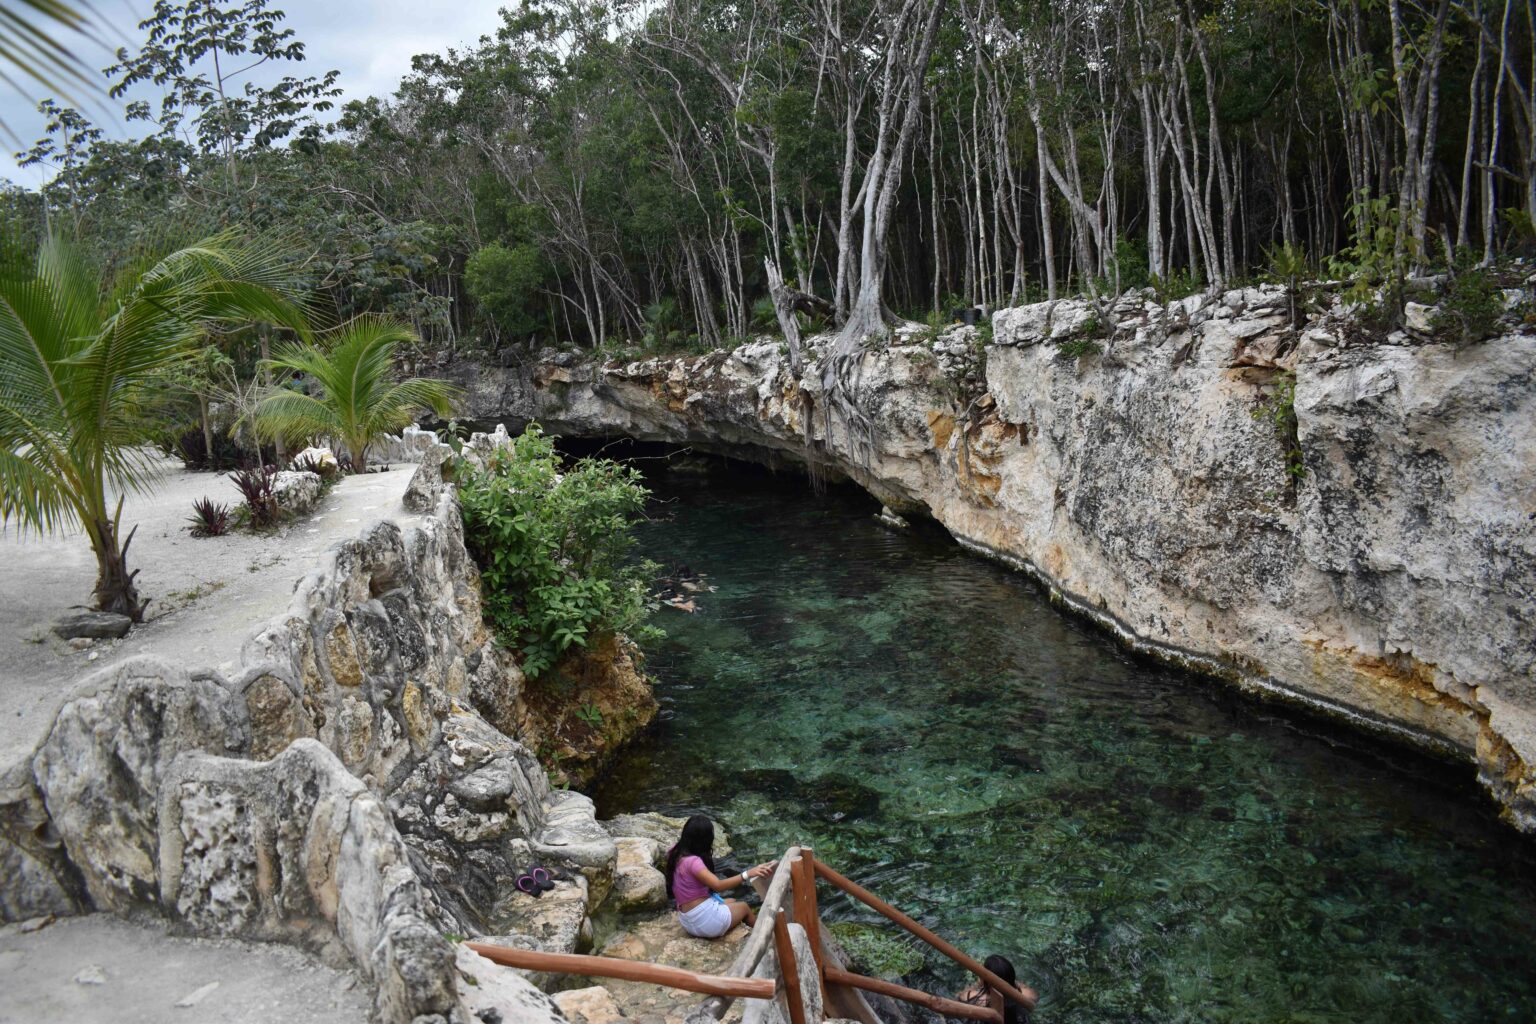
{"x":692,"y":882}
{"x":1014,"y":1012}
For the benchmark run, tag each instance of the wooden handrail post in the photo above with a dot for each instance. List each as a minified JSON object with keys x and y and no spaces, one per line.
{"x":875,"y":903}
{"x":789,"y":970}
{"x":807,"y":914}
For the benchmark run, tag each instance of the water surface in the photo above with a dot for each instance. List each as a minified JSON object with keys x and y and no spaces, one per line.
{"x":1145,"y":845}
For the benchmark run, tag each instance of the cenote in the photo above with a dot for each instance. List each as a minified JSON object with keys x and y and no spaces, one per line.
{"x":1145,"y":845}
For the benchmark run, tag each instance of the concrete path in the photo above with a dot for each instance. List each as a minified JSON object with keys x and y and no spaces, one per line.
{"x":103,"y":970}
{"x":209,"y":594}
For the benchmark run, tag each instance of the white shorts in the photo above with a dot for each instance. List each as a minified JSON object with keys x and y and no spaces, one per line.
{"x":709,"y":920}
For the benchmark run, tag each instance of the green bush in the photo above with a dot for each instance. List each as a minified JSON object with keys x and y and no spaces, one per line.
{"x":553,"y":547}
{"x":1472,"y":305}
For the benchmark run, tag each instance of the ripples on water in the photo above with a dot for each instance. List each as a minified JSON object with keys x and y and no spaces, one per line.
{"x":1146,"y":846}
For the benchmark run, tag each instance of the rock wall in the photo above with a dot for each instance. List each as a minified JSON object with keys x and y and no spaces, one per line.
{"x":1367,"y":549}
{"x":343,"y":788}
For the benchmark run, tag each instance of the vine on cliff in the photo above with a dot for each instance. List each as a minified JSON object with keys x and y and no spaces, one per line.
{"x":553,"y":546}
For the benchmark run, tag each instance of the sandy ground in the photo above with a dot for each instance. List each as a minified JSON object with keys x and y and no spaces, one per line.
{"x":209,"y":594}
{"x":104,"y":970}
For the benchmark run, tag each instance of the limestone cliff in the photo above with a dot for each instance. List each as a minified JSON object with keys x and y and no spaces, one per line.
{"x":343,"y":787}
{"x":1342,"y":520}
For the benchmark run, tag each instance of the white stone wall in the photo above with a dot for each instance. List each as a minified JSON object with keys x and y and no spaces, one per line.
{"x":294,"y":798}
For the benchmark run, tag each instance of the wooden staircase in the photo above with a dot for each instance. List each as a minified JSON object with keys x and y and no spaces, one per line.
{"x":789,"y":905}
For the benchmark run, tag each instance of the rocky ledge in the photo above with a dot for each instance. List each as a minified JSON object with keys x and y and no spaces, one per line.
{"x":352,"y":785}
{"x":1337,"y":518}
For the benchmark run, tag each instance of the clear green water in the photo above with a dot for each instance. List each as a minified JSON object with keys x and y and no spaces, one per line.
{"x":1146,"y":846}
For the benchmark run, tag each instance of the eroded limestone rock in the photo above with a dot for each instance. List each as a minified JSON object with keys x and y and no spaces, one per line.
{"x":1380,"y":564}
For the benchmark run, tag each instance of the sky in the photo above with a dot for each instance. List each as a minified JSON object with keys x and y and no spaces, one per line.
{"x":370,"y":42}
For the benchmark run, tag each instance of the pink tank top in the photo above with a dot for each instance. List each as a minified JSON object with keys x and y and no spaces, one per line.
{"x":686,"y":886}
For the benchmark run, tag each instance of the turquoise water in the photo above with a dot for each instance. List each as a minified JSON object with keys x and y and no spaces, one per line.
{"x":1145,"y":845}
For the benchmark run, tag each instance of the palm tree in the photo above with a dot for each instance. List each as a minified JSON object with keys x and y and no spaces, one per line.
{"x":357,"y":401}
{"x":80,"y":367}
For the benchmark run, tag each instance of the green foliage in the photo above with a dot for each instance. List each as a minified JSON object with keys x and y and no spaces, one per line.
{"x":1078,"y":346}
{"x":591,"y":714}
{"x":553,"y":548}
{"x":1278,"y":409}
{"x":1288,"y":265}
{"x":1522,"y":230}
{"x":1084,"y":341}
{"x":1376,"y":261}
{"x":878,"y":952}
{"x":1130,"y":265}
{"x":1175,"y":285}
{"x":506,"y":282}
{"x":356,"y":401}
{"x":1472,"y":305}
{"x":197,"y":50}
{"x":81,"y":363}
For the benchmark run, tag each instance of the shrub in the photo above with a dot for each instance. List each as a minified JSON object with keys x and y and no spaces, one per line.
{"x":553,"y":548}
{"x":259,"y":489}
{"x":208,"y":518}
{"x":191,"y":447}
{"x":1471,"y":307}
{"x":1279,"y":411}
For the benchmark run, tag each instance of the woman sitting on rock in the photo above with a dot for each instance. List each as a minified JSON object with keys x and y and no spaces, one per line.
{"x":692,"y":882}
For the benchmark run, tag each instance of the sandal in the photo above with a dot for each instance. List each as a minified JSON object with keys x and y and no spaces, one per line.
{"x":530,"y":885}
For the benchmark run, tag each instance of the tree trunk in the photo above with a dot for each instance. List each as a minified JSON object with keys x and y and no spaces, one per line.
{"x":210,"y":460}
{"x":115,"y":590}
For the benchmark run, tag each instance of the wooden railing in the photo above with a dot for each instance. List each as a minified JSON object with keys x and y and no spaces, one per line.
{"x":789,"y":895}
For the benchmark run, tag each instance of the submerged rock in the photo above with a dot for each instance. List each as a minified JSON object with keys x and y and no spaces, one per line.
{"x":833,"y":797}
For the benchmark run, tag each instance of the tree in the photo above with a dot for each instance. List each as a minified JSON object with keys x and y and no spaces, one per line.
{"x":357,"y":400}
{"x":198,"y":51}
{"x":78,"y":365}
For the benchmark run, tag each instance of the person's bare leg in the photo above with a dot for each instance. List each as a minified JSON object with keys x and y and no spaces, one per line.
{"x":739,"y":912}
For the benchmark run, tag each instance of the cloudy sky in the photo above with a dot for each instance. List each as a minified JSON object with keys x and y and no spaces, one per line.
{"x":370,"y":42}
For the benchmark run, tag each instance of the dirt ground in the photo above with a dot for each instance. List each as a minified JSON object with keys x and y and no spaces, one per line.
{"x":209,"y":594}
{"x":104,"y":970}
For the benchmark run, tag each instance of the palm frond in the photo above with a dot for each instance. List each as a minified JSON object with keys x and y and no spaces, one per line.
{"x":284,"y":413}
{"x":30,"y":44}
{"x":350,"y":367}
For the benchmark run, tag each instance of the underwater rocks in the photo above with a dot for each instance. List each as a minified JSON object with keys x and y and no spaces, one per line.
{"x":832,"y":797}
{"x":1333,"y":518}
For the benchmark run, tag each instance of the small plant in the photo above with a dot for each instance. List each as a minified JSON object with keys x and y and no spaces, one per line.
{"x":209,"y":518}
{"x":259,"y":489}
{"x":1077,"y":347}
{"x":591,"y":714}
{"x":1472,"y":305}
{"x":1289,"y":266}
{"x":1279,"y":411}
{"x":1084,"y":340}
{"x":1176,"y":284}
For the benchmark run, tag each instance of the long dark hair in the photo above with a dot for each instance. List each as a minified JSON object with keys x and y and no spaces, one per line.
{"x":1013,"y":1010}
{"x":697,"y":840}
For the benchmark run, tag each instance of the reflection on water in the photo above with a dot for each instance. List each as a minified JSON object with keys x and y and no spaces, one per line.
{"x":1147,"y":846}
